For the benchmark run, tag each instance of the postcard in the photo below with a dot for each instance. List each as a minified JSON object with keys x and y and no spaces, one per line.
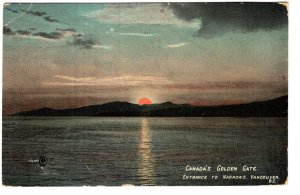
{"x":145,"y":94}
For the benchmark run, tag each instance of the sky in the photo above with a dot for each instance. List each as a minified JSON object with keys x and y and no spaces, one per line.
{"x":73,"y":55}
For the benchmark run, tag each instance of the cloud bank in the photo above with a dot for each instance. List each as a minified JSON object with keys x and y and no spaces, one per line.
{"x":122,"y":80}
{"x":140,"y":13}
{"x":86,"y":43}
{"x":40,"y":14}
{"x":34,"y":13}
{"x":11,"y":10}
{"x":78,"y":39}
{"x":219,"y":18}
{"x":8,"y":31}
{"x":51,"y":35}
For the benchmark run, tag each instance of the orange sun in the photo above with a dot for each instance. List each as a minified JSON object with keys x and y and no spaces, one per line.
{"x":145,"y":101}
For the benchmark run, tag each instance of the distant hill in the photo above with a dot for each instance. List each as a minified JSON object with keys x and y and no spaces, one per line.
{"x":271,"y":108}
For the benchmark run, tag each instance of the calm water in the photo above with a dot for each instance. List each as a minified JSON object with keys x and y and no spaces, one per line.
{"x":141,"y":151}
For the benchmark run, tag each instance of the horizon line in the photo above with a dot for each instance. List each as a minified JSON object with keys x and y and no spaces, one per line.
{"x":187,"y":104}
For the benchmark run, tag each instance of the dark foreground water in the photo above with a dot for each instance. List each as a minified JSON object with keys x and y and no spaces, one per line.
{"x":144,"y":151}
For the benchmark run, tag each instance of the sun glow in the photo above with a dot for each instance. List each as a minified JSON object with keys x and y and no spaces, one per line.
{"x":144,"y":101}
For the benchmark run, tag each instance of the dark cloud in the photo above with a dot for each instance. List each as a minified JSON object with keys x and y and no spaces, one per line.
{"x":49,"y":19}
{"x":23,"y":32}
{"x":51,"y":35}
{"x":8,"y":31}
{"x":66,"y":29}
{"x":219,"y":18}
{"x":58,"y":34}
{"x":37,"y":13}
{"x":40,"y":14}
{"x":79,"y":40}
{"x":11,"y":10}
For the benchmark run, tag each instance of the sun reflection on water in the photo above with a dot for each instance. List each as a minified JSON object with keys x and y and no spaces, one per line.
{"x":146,"y":162}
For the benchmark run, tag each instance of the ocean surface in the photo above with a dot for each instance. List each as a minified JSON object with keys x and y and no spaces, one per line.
{"x":114,"y":151}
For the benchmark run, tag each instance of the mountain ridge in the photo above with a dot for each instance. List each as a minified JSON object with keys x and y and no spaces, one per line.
{"x":270,"y":108}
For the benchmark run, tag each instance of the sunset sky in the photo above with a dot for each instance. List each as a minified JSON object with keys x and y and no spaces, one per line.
{"x":72,"y":55}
